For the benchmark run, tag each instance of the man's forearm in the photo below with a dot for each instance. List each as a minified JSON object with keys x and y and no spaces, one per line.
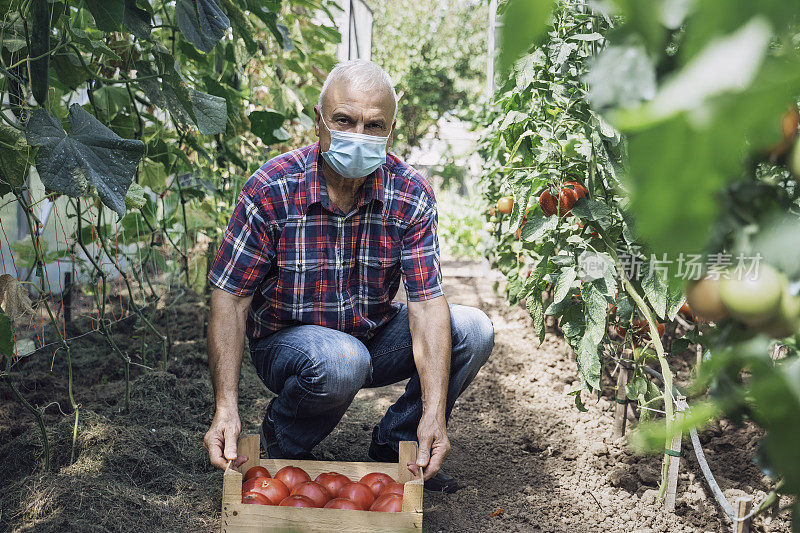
{"x":226,"y":325}
{"x":431,"y":339}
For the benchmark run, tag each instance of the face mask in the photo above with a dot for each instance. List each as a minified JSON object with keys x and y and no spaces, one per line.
{"x":354,"y":155}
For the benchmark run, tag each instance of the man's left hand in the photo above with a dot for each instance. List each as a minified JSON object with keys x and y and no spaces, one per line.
{"x":433,"y":445}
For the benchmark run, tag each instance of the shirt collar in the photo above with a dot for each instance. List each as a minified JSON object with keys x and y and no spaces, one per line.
{"x":315,"y":182}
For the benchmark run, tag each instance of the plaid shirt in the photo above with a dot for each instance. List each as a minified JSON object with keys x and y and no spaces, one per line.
{"x":306,"y":262}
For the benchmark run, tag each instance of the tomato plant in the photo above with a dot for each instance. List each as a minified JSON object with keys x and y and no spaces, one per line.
{"x":586,"y":122}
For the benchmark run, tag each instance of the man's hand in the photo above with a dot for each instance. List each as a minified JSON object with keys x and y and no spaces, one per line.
{"x":434,"y":445}
{"x":221,"y":439}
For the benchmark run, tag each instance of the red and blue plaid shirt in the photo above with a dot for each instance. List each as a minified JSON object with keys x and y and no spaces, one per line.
{"x":306,"y":262}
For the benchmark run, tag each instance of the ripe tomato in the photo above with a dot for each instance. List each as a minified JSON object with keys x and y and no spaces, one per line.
{"x":548,"y":202}
{"x":343,"y":503}
{"x":704,"y":299}
{"x":314,"y":491}
{"x":333,"y":481}
{"x":505,"y":204}
{"x":291,"y":476}
{"x":789,"y":124}
{"x":754,"y":300}
{"x":376,"y":481}
{"x":358,"y":493}
{"x":297,"y":501}
{"x":273,"y":489}
{"x":579,"y":189}
{"x":254,"y":498}
{"x":393,"y":488}
{"x":566,"y":200}
{"x":686,"y":311}
{"x":256,"y":471}
{"x":388,"y":503}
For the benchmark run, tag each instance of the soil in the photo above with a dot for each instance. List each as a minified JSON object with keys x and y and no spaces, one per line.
{"x":526,"y":458}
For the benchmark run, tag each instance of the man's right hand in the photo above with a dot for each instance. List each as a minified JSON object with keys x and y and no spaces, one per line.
{"x":221,"y":439}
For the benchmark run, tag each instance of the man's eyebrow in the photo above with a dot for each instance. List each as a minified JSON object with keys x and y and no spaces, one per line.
{"x":344,"y":114}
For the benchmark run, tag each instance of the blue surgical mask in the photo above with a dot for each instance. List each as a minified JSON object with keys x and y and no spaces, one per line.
{"x":354,"y":155}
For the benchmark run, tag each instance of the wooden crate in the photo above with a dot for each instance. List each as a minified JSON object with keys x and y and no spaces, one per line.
{"x":239,"y":517}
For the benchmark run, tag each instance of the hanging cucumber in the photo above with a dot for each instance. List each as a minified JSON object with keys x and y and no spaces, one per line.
{"x":40,"y":45}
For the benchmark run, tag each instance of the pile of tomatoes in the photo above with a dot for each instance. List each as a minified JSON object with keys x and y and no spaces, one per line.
{"x":292,"y":487}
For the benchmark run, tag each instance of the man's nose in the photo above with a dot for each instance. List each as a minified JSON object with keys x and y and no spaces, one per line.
{"x":360,"y":127}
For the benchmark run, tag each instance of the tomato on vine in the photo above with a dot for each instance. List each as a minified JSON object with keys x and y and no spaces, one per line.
{"x":505,"y":204}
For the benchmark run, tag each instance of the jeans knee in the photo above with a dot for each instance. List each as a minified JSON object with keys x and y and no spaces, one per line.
{"x":476,"y":332}
{"x":343,"y":371}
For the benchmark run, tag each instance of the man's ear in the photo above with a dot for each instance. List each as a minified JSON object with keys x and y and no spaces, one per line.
{"x":316,"y":120}
{"x":391,"y":136}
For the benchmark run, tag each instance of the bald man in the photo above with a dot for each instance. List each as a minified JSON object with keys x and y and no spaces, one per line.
{"x":308,"y":269}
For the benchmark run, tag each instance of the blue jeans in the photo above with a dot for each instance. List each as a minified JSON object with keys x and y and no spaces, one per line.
{"x":316,"y":372}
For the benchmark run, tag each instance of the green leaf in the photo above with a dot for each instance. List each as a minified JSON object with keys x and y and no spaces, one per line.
{"x":267,"y":126}
{"x":635,"y":387}
{"x":14,"y":163}
{"x":535,"y":308}
{"x":535,"y":228}
{"x":69,"y":70}
{"x":211,"y":112}
{"x":107,"y":13}
{"x":202,"y":22}
{"x":524,"y":24}
{"x":135,"y":197}
{"x":90,"y":155}
{"x":241,"y":26}
{"x":137,"y":20}
{"x":564,"y":284}
{"x":592,"y":210}
{"x":98,"y":47}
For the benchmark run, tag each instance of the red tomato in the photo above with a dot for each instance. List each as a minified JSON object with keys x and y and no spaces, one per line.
{"x":254,"y":498}
{"x":393,"y":488}
{"x":686,"y":311}
{"x":291,"y":476}
{"x":297,"y":501}
{"x":333,"y":481}
{"x":580,"y":190}
{"x":256,"y":471}
{"x":548,"y":203}
{"x":273,"y":489}
{"x":343,"y":503}
{"x":376,"y":481}
{"x":358,"y":493}
{"x":313,"y":490}
{"x":388,"y":503}
{"x":566,"y":200}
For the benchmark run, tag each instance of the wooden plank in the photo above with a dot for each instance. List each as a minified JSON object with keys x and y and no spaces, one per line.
{"x":241,"y":518}
{"x":407,"y":454}
{"x":743,"y":506}
{"x":250,"y":445}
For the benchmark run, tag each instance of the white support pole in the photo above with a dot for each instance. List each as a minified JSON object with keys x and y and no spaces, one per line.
{"x":491,"y":48}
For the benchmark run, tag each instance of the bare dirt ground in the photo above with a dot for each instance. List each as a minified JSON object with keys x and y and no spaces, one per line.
{"x":519,"y":443}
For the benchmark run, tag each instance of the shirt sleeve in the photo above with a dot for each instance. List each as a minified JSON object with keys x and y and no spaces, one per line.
{"x":246,"y":253}
{"x":420,"y":260}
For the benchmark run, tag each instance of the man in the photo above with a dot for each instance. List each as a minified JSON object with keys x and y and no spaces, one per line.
{"x":308,"y":268}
